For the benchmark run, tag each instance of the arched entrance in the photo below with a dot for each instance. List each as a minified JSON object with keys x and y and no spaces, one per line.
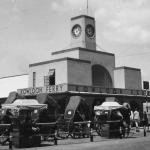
{"x":101,"y":77}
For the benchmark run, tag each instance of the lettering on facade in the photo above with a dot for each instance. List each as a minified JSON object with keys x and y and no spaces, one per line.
{"x":54,"y":89}
{"x":77,"y":88}
{"x":100,"y":90}
{"x":93,"y":89}
{"x":38,"y":90}
{"x":114,"y":91}
{"x":121,"y":91}
{"x":80,"y":88}
{"x":85,"y":88}
{"x":138,"y":92}
{"x":30,"y":91}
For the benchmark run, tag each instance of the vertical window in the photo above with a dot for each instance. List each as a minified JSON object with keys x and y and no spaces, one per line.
{"x":50,"y":79}
{"x":34,"y":79}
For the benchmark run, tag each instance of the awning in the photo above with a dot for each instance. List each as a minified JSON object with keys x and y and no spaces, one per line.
{"x":24,"y":104}
{"x":108,"y":106}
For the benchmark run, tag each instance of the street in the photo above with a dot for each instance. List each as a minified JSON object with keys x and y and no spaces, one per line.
{"x":136,"y":142}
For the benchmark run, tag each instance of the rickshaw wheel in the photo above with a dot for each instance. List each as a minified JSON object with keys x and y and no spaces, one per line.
{"x":98,"y":129}
{"x":75,"y":135}
{"x":98,"y":126}
{"x":62,"y":131}
{"x":79,"y":131}
{"x":3,"y":139}
{"x":76,"y":131}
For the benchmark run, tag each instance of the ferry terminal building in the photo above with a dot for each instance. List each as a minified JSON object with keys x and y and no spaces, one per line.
{"x":83,"y":70}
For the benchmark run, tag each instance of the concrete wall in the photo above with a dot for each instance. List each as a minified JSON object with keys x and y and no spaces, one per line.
{"x":103,"y":59}
{"x":119,"y":78}
{"x":43,"y":69}
{"x":133,"y":79}
{"x":67,"y":70}
{"x":107,"y":60}
{"x":79,"y":73}
{"x":66,"y":53}
{"x":126,"y":77}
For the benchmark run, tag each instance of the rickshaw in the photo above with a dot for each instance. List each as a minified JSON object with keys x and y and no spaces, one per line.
{"x":74,"y":122}
{"x":108,"y":121}
{"x":24,"y":112}
{"x":47,"y":117}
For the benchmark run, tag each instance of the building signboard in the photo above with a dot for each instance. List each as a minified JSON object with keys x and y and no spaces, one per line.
{"x":46,"y":89}
{"x":81,"y":88}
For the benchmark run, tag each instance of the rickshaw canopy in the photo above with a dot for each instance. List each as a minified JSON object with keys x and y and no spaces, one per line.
{"x":108,"y":106}
{"x":24,"y":104}
{"x":77,"y":104}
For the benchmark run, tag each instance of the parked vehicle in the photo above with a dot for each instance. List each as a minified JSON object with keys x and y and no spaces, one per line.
{"x":74,"y":121}
{"x":24,"y":131}
{"x":109,"y":119}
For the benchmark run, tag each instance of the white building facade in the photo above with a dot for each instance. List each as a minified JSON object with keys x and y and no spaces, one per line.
{"x":82,"y":64}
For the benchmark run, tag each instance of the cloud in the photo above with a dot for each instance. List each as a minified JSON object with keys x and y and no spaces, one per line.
{"x":30,"y":27}
{"x":128,"y":35}
{"x":140,"y":2}
{"x":68,"y":5}
{"x":57,"y":7}
{"x":126,"y":23}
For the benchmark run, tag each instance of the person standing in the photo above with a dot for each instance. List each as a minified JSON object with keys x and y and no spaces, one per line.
{"x":136,"y":119}
{"x":145,"y":120}
{"x":126,"y":117}
{"x":131,"y":118}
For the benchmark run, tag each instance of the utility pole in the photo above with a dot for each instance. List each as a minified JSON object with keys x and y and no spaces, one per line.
{"x":146,"y":87}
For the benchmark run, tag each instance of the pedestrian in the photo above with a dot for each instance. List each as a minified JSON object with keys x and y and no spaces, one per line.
{"x":136,"y":119}
{"x":126,"y":111}
{"x":131,"y":118}
{"x":145,"y":120}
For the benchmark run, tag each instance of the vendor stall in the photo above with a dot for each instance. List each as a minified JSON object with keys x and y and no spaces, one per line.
{"x":108,"y":119}
{"x":24,"y":112}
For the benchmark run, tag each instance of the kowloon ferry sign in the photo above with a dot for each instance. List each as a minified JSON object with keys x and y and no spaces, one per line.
{"x":82,"y":89}
{"x":45,"y":89}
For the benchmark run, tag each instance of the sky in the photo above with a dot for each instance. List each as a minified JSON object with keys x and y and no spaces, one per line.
{"x":12,"y":84}
{"x":31,"y":29}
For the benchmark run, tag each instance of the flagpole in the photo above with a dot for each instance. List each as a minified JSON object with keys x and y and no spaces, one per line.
{"x":87,"y":6}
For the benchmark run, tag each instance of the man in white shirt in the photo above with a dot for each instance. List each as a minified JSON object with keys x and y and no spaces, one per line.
{"x":136,"y":119}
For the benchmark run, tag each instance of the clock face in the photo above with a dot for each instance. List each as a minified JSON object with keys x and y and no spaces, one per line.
{"x":90,"y":31}
{"x":76,"y":30}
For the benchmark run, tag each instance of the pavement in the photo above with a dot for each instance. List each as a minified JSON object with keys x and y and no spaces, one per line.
{"x":136,"y":140}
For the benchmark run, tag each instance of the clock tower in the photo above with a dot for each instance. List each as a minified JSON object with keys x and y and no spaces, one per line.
{"x":83,"y":32}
